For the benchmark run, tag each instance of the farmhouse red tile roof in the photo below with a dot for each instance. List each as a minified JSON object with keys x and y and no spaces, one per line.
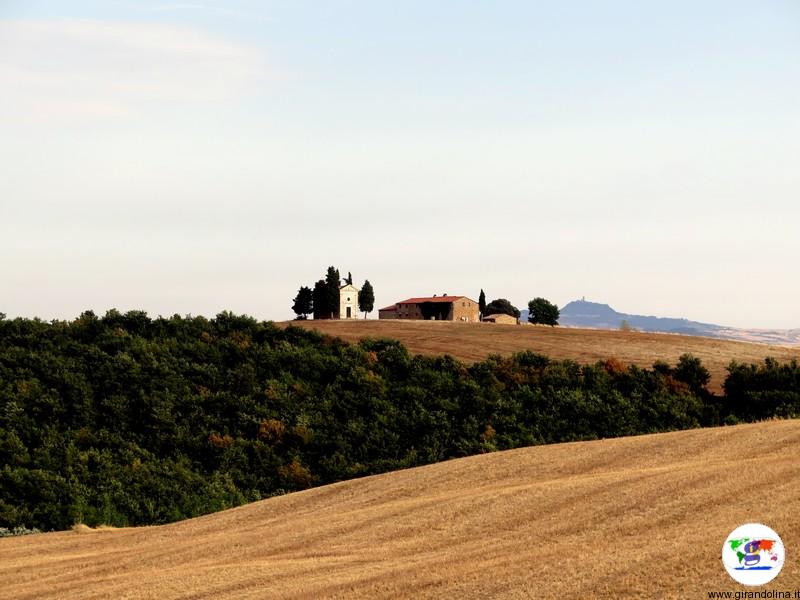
{"x":433,"y":299}
{"x":392,"y":307}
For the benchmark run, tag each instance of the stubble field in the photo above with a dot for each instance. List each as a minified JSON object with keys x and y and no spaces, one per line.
{"x":639,"y":517}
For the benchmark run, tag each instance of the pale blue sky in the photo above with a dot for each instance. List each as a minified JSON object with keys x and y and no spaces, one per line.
{"x":190,"y":157}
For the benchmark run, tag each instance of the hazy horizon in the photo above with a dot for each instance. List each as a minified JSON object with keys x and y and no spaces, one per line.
{"x":193,"y":157}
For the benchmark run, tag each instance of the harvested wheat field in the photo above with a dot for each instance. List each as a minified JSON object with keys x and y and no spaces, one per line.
{"x":474,"y":341}
{"x":639,"y":517}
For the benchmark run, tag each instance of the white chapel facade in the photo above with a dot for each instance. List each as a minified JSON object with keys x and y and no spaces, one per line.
{"x":348,"y":301}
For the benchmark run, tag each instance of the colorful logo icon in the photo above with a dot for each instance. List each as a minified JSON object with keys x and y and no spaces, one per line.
{"x":753,"y":554}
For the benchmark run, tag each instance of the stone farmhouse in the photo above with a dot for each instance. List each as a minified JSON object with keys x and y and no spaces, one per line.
{"x":433,"y":308}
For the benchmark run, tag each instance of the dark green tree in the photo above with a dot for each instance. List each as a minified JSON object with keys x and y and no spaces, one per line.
{"x":691,"y":371}
{"x":349,"y":280}
{"x":543,"y":312}
{"x":303,"y":302}
{"x":319,"y":300}
{"x":366,"y":298}
{"x":332,"y":284}
{"x":482,"y":303}
{"x":501,"y":306}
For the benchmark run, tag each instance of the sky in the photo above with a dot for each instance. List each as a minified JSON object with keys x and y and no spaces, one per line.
{"x":193,"y":157}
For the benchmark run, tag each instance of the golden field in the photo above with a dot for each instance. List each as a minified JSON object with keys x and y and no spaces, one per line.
{"x":474,"y":341}
{"x":639,"y":517}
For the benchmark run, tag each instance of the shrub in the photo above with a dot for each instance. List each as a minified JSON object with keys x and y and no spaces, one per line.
{"x":19,"y":530}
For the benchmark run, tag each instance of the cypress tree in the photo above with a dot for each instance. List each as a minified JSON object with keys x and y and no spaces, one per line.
{"x":332,"y":283}
{"x":366,"y":298}
{"x":303,"y":302}
{"x":320,"y":300}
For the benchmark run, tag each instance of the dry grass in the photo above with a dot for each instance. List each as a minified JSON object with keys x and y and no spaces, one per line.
{"x":474,"y":341}
{"x":640,"y":517}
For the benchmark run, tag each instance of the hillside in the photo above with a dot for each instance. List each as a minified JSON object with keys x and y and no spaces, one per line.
{"x":130,"y":421}
{"x":581,"y":313}
{"x":630,"y":517}
{"x":474,"y":341}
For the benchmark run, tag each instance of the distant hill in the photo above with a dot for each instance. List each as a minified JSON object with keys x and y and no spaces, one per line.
{"x":580,"y":313}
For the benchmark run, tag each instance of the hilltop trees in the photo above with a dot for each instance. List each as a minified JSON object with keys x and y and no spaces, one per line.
{"x":544,"y":312}
{"x":501,"y":306}
{"x":366,"y":298}
{"x":303,"y":302}
{"x":324,"y":299}
{"x":325,"y":296}
{"x":482,"y":304}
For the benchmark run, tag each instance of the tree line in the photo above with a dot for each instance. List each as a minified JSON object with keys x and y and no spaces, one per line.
{"x":129,"y":420}
{"x":323,"y":301}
